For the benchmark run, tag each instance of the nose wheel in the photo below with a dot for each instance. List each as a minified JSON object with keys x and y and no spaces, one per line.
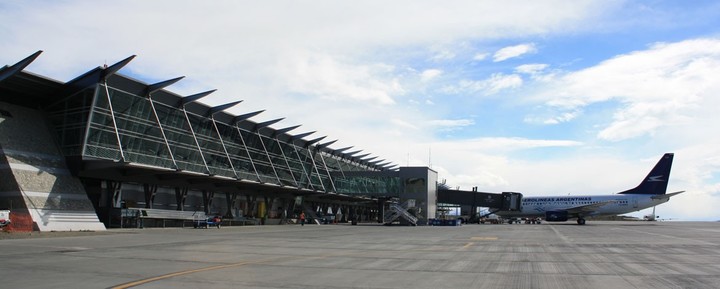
{"x":581,"y":221}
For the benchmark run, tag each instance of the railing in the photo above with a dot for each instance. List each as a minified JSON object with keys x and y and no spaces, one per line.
{"x":311,"y":214}
{"x":163,"y":215}
{"x":399,"y":210}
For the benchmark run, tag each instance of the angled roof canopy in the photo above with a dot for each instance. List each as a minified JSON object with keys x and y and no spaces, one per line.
{"x":112,"y":69}
{"x":310,"y":142}
{"x":266,"y":123}
{"x":32,"y":90}
{"x":302,"y":135}
{"x":191,"y":98}
{"x":243,"y":117}
{"x":359,"y":158}
{"x":160,"y":85}
{"x":319,"y":146}
{"x":8,"y":71}
{"x":222,"y":107}
{"x":284,"y":130}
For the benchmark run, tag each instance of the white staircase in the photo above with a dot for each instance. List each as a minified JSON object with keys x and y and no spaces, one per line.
{"x":400,"y":211}
{"x":310,"y":214}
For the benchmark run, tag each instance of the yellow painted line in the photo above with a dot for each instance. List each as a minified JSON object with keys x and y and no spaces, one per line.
{"x":166,"y":276}
{"x":484,"y":238}
{"x":186,"y":272}
{"x":468,"y":244}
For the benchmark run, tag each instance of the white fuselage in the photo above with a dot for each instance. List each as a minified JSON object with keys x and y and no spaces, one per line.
{"x":618,"y":204}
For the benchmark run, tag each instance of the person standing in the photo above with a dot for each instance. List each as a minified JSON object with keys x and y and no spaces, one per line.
{"x":302,"y":218}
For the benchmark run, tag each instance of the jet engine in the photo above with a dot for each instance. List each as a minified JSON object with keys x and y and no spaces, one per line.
{"x":556,"y":216}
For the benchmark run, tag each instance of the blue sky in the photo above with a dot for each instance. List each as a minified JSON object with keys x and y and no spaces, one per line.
{"x":540,"y":97}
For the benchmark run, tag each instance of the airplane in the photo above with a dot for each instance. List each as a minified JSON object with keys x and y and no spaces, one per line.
{"x":649,"y":193}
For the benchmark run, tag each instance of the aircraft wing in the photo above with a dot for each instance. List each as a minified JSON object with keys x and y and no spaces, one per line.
{"x":666,"y":196}
{"x":585,"y":209}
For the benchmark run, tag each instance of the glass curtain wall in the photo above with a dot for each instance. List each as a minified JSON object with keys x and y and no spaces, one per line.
{"x":195,"y":144}
{"x":69,"y":117}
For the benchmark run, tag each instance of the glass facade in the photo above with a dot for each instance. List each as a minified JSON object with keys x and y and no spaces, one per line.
{"x":109,"y":123}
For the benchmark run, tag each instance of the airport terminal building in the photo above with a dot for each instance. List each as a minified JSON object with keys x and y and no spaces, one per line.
{"x":103,"y":148}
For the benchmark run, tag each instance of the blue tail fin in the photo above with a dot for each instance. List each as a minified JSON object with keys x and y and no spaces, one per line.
{"x":657,"y":180}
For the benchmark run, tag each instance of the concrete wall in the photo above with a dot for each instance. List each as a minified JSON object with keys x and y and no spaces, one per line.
{"x":35,"y":178}
{"x":419,"y":184}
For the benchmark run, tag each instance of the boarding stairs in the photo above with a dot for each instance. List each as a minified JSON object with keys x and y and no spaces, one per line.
{"x":488,"y":214}
{"x":310,"y":214}
{"x":399,"y":211}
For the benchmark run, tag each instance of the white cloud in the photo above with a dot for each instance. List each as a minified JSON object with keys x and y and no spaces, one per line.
{"x":554,"y":119}
{"x":324,"y":76}
{"x":531,"y":69}
{"x":514,"y":51}
{"x":404,"y":124}
{"x":499,"y":82}
{"x":480,"y":56}
{"x":496,"y":83}
{"x":430,"y":74}
{"x":451,"y":124}
{"x":668,"y":84}
{"x":443,"y":55}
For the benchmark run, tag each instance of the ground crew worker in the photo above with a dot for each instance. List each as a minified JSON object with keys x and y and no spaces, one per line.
{"x":302,"y":218}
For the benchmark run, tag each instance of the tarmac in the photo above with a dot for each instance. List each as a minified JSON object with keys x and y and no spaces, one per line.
{"x":601,"y":254}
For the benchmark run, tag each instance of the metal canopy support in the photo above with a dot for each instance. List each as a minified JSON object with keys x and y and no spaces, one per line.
{"x":302,"y":165}
{"x":222,"y":107}
{"x":160,"y":85}
{"x":392,"y":167}
{"x":287,"y":162}
{"x":112,"y":114}
{"x":197,"y":143}
{"x":338,"y":152}
{"x":112,"y":69}
{"x":150,"y":191}
{"x":332,"y":183}
{"x":310,"y":142}
{"x":9,"y":71}
{"x":212,"y":113}
{"x":384,"y":164}
{"x":359,"y":158}
{"x":272,"y":165}
{"x":230,"y":199}
{"x":283,"y":130}
{"x":192,"y":98}
{"x":320,"y":146}
{"x":368,"y":160}
{"x":222,"y":143}
{"x":299,"y":136}
{"x":314,"y":165}
{"x":260,"y":125}
{"x":207,"y":200}
{"x":252,"y":163}
{"x":180,"y":197}
{"x":243,"y":117}
{"x":162,"y":130}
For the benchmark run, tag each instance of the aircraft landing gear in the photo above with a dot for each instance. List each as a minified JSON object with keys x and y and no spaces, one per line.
{"x":581,"y":221}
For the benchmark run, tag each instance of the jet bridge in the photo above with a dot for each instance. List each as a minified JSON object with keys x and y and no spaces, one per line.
{"x":506,"y":201}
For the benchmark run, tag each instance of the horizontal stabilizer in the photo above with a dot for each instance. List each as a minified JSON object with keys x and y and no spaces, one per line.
{"x":667,"y":196}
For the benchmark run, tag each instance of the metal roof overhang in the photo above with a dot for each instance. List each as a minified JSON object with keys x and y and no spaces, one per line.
{"x":140,"y":173}
{"x":29,"y":90}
